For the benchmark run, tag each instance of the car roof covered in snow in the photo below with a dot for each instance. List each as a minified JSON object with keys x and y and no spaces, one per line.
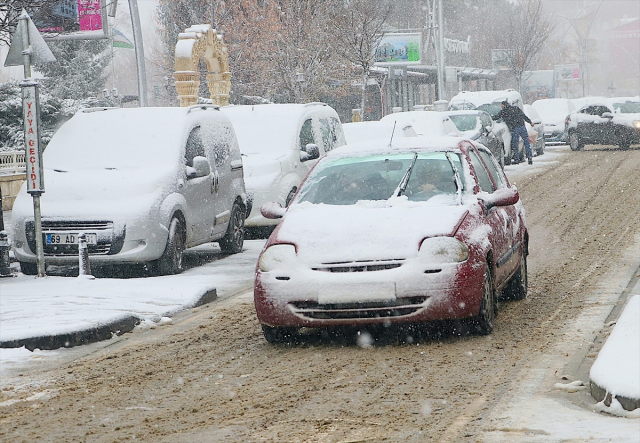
{"x":401,"y":145}
{"x":479,"y":98}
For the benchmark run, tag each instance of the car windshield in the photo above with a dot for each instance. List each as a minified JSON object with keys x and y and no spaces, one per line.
{"x":345,"y":181}
{"x":466,"y":122}
{"x":627,"y":107}
{"x":492,"y":108}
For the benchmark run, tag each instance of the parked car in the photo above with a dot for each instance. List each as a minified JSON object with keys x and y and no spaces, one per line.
{"x":478,"y":126}
{"x":424,"y":123}
{"x":536,"y":133}
{"x":358,"y":132}
{"x":553,"y":111}
{"x":143,"y":184}
{"x":490,"y":102}
{"x":581,"y":102}
{"x":610,"y":122}
{"x":425,"y":229}
{"x":280,"y":143}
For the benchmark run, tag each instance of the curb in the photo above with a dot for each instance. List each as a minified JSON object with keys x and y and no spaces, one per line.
{"x":91,"y":335}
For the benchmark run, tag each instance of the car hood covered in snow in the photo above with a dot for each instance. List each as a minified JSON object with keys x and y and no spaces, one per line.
{"x":368,"y":230}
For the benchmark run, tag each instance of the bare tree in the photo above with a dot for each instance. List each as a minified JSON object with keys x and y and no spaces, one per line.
{"x":10,"y":10}
{"x":359,"y":28}
{"x":529,"y":29}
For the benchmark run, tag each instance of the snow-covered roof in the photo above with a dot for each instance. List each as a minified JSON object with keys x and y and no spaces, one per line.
{"x":269,"y":127}
{"x":404,"y":144}
{"x":375,"y":130}
{"x":425,"y":123}
{"x":479,"y":98}
{"x":554,"y":108}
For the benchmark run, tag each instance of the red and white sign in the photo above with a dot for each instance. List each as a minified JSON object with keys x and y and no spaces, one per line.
{"x":33,"y":154}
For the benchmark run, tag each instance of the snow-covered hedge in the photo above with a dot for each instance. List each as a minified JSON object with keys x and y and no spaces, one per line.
{"x":53,"y":113}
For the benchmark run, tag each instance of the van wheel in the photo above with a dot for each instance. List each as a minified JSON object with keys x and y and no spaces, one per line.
{"x":28,"y":268}
{"x":483,"y":322}
{"x":171,"y":261}
{"x":233,"y":241}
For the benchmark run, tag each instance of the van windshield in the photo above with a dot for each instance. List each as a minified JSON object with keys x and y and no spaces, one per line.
{"x":117,"y":139}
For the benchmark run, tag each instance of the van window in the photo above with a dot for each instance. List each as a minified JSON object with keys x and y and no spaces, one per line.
{"x":221,"y":145}
{"x":330,"y":129}
{"x":194,"y":147}
{"x":306,"y":134}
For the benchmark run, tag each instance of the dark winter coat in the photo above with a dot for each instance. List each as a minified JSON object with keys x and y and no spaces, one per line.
{"x":512,"y":116}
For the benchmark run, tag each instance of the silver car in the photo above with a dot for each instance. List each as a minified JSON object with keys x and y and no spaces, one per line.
{"x":142,"y":184}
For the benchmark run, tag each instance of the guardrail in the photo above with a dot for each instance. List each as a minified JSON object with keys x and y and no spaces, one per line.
{"x":12,"y":162}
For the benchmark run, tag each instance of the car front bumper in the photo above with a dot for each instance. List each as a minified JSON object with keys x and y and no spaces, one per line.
{"x":417,"y":294}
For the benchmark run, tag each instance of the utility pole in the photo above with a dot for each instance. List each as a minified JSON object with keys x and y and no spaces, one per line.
{"x":435,"y":42}
{"x":139,"y":48}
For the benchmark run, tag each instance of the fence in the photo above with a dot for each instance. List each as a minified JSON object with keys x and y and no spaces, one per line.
{"x":12,"y":162}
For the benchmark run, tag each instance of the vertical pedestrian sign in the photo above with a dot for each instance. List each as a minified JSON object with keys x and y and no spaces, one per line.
{"x":31,"y":116}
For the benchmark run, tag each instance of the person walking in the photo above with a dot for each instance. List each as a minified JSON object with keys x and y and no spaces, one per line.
{"x":515,"y":118}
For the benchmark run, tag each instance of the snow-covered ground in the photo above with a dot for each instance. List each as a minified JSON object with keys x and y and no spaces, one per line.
{"x":32,"y":307}
{"x":533,"y":411}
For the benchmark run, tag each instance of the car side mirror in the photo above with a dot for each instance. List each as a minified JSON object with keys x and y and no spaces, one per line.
{"x":201,"y":168}
{"x":272,"y":210}
{"x":501,"y":197}
{"x":310,"y":152}
{"x":607,"y":115}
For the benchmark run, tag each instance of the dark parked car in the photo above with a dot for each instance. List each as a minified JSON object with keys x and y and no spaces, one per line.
{"x":614,"y":122}
{"x":421,"y":230}
{"x":478,"y":126}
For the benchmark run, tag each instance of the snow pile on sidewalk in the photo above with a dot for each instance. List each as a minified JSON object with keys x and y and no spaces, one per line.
{"x":617,"y":368}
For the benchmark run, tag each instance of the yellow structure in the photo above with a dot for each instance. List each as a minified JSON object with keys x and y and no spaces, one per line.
{"x":195,"y":43}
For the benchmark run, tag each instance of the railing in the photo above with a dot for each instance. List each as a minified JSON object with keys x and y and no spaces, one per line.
{"x":12,"y":162}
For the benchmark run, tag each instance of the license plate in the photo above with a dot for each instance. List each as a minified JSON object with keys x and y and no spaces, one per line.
{"x":65,"y":238}
{"x":353,"y":293}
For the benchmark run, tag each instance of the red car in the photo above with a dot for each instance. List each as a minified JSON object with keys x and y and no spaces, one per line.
{"x":378,"y":233}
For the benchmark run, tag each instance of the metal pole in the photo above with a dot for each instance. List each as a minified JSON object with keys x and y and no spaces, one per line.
{"x":441,"y":86}
{"x":26,"y":53}
{"x":137,"y":41}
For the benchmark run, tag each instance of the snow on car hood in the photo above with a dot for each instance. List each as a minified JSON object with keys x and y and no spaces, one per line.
{"x":102,"y":192}
{"x":368,"y":230}
{"x":625,"y":119}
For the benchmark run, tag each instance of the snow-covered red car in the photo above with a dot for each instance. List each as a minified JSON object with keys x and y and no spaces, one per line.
{"x":420,"y":230}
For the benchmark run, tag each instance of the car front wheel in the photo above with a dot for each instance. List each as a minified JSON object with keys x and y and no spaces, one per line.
{"x":517,"y":287}
{"x":171,"y":260}
{"x":483,"y":322}
{"x":574,"y":142}
{"x":279,"y":334}
{"x":28,"y":268}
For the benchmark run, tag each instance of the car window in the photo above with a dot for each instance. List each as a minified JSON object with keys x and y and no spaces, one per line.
{"x":481,"y":173}
{"x":495,"y":171}
{"x":627,"y":107}
{"x":222,"y":145}
{"x":345,"y":181}
{"x":486,"y":120}
{"x":330,"y":130}
{"x":194,"y":147}
{"x":306,"y":134}
{"x":465,"y":122}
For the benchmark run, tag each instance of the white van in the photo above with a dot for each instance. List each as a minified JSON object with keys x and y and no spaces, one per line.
{"x":143,"y":184}
{"x":490,"y":102}
{"x":279,"y":144}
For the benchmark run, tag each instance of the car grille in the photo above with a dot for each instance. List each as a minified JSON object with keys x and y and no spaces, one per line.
{"x":360,"y":266}
{"x":109,"y":242}
{"x":344,"y":311}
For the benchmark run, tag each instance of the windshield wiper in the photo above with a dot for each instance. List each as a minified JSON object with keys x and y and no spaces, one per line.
{"x":405,"y":179}
{"x":456,"y":177}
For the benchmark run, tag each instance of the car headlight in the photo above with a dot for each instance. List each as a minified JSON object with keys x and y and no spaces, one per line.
{"x":443,"y":250}
{"x":277,"y":257}
{"x":636,"y":124}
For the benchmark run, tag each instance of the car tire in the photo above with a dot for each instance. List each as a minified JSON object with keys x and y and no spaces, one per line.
{"x":483,"y":322}
{"x":171,"y":261}
{"x":540,"y":149}
{"x":279,"y":334}
{"x":233,"y":240}
{"x":28,"y":268}
{"x":507,"y":160}
{"x":575,"y":143}
{"x":624,"y":145}
{"x":517,"y":286}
